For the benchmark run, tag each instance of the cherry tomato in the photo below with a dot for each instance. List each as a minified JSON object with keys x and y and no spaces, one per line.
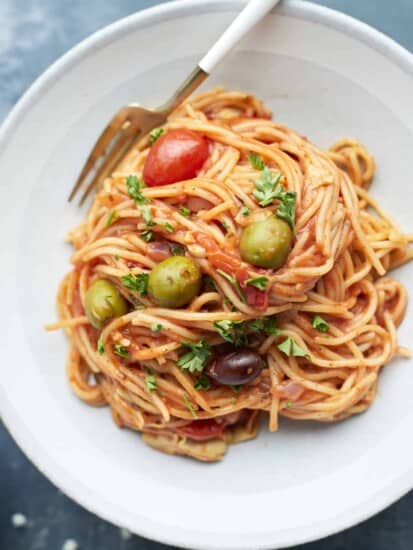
{"x":202,"y":430}
{"x":176,"y":156}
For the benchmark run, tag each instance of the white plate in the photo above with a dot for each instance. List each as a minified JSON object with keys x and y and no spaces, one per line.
{"x":321,"y":72}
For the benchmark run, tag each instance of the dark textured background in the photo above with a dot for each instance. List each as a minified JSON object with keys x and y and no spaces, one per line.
{"x":33,"y":33}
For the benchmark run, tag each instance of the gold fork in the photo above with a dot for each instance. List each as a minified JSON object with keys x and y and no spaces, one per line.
{"x":134,"y":120}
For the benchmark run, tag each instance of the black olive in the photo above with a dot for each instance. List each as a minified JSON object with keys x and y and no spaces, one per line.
{"x":235,"y":368}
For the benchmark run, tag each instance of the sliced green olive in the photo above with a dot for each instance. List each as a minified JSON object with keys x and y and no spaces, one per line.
{"x":104,"y":302}
{"x":266,"y":243}
{"x":174,"y":282}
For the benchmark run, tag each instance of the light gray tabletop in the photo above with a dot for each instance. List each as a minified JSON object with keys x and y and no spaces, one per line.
{"x":33,"y":33}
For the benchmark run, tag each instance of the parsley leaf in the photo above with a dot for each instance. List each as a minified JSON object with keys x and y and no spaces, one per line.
{"x":286,"y":207}
{"x":320,"y":324}
{"x":156,"y":327}
{"x":150,"y":382}
{"x":184,"y":211}
{"x":137,"y":283}
{"x":169,"y":228}
{"x":155,"y":134}
{"x":232,"y":331}
{"x":190,"y":407}
{"x":111,"y":218}
{"x":268,"y":188}
{"x":291,"y":348}
{"x":245,"y":211}
{"x":116,"y":256}
{"x":146,"y":213}
{"x":147,"y":235}
{"x":203,"y":383}
{"x":258,"y":282}
{"x":210,"y":283}
{"x":264,"y":324}
{"x":288,"y":404}
{"x":195,"y":359}
{"x":234,"y":283}
{"x":134,"y":187}
{"x":100,"y":347}
{"x":236,"y":389}
{"x":256,"y":162}
{"x":177,"y":250}
{"x":121,"y":351}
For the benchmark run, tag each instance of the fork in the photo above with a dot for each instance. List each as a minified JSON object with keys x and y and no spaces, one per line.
{"x":134,"y":120}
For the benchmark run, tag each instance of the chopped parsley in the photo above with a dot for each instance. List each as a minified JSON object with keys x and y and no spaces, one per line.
{"x":136,"y":283}
{"x":121,"y":351}
{"x":291,"y":348}
{"x":184,"y":211}
{"x":264,"y":324}
{"x":155,"y":134}
{"x":320,"y":324}
{"x":258,"y":282}
{"x":245,"y":211}
{"x":177,"y":250}
{"x":268,"y":188}
{"x":134,"y":187}
{"x":203,"y":383}
{"x":146,"y":213}
{"x":232,"y":331}
{"x":111,"y":218}
{"x":147,"y":235}
{"x":150,"y":382}
{"x":225,"y":224}
{"x":169,"y":228}
{"x":195,"y":359}
{"x":116,"y":256}
{"x":288,"y":404}
{"x":100,"y":347}
{"x":235,"y":389}
{"x":190,"y":407}
{"x":210,"y":283}
{"x":256,"y":162}
{"x":234,"y":283}
{"x":286,"y":207}
{"x":156,"y":327}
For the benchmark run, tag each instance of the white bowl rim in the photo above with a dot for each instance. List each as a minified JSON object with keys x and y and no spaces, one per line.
{"x":21,"y":434}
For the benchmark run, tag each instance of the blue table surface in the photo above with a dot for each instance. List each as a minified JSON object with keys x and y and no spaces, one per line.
{"x":33,"y":33}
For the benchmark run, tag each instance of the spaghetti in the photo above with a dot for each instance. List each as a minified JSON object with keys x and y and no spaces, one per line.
{"x":320,"y":326}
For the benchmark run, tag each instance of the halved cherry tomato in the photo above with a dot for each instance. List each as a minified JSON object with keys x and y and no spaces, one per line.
{"x":176,"y":156}
{"x":202,"y":430}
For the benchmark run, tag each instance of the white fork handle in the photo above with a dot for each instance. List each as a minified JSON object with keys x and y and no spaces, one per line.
{"x":253,"y":12}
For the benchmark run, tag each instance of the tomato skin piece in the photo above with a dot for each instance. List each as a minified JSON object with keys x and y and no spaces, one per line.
{"x":256,"y":298}
{"x":202,"y":430}
{"x":176,"y":156}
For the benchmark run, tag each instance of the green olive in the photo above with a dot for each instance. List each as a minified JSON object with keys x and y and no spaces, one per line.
{"x":174,"y":282}
{"x":104,"y":302}
{"x":266,"y":243}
